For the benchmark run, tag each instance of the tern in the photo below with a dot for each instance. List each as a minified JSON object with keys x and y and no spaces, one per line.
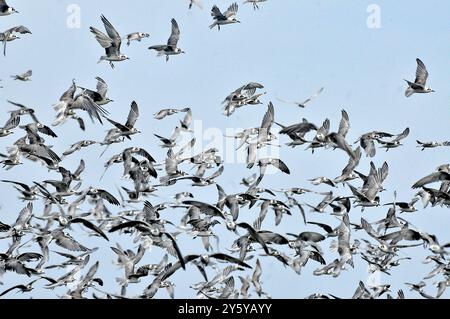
{"x":136,"y":36}
{"x":171,"y":47}
{"x":419,"y":84}
{"x":24,"y":76}
{"x":111,"y":43}
{"x":5,"y":9}
{"x":10,"y":35}
{"x":228,"y":17}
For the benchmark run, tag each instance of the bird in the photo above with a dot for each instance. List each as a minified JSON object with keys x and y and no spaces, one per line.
{"x":228,"y":17}
{"x":23,"y":77}
{"x":254,"y":3}
{"x":198,"y":3}
{"x":431,"y":144}
{"x":441,"y":174}
{"x":28,"y":287}
{"x":136,"y":36}
{"x":171,"y":47}
{"x":110,"y":42}
{"x":99,"y":96}
{"x":70,"y":101}
{"x":128,"y":128}
{"x":419,"y":84}
{"x":394,"y":142}
{"x":10,"y":35}
{"x":5,"y":9}
{"x":308,"y":100}
{"x":161,"y":114}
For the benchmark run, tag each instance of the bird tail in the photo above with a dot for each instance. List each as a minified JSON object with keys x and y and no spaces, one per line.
{"x":102,"y":58}
{"x":409,"y":91}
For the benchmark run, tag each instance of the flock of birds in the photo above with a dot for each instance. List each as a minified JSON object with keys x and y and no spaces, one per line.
{"x":225,"y":271}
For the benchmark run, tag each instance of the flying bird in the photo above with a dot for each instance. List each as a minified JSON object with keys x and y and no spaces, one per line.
{"x":136,"y":36}
{"x":110,"y":42}
{"x":10,"y":35}
{"x":23,"y":77}
{"x":5,"y":9}
{"x":228,"y":17}
{"x":171,"y":47}
{"x":419,"y":84}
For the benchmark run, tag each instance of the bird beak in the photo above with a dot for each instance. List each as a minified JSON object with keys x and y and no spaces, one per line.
{"x":185,"y":52}
{"x":238,"y":21}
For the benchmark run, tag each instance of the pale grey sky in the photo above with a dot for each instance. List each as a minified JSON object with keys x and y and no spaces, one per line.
{"x":293,"y":48}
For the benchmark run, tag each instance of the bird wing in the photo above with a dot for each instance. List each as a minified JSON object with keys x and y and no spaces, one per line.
{"x":67,"y":242}
{"x":368,"y":145}
{"x":89,"y":225}
{"x":138,"y":224}
{"x":80,"y":168}
{"x":421,"y":73}
{"x":215,"y":12}
{"x":101,"y":38}
{"x":133,"y":115}
{"x":84,"y":102}
{"x":231,"y":11}
{"x":402,"y":135}
{"x":326,"y":227}
{"x":107,"y":196}
{"x":313,"y":96}
{"x":112,"y":32}
{"x":175,"y":35}
{"x":24,"y":215}
{"x":344,"y":126}
{"x":27,"y":74}
{"x":268,"y":119}
{"x":278,"y":163}
{"x":433,"y":177}
{"x":102,"y":87}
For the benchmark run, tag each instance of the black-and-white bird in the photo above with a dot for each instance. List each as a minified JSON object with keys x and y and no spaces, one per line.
{"x":128,"y":128}
{"x":10,"y":35}
{"x":171,"y":47}
{"x":228,"y":17}
{"x":5,"y":9}
{"x":420,"y":83}
{"x":24,"y":76}
{"x":303,"y":104}
{"x":99,"y":96}
{"x":431,"y":144}
{"x":136,"y":36}
{"x":110,"y":42}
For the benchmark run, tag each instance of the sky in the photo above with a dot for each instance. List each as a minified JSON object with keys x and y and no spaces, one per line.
{"x":291,"y":47}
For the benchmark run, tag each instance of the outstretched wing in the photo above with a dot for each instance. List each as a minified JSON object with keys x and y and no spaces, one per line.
{"x":421,"y":73}
{"x":102,"y":87}
{"x":133,"y":115}
{"x":175,"y":35}
{"x":231,"y":11}
{"x":344,"y":126}
{"x":112,"y":32}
